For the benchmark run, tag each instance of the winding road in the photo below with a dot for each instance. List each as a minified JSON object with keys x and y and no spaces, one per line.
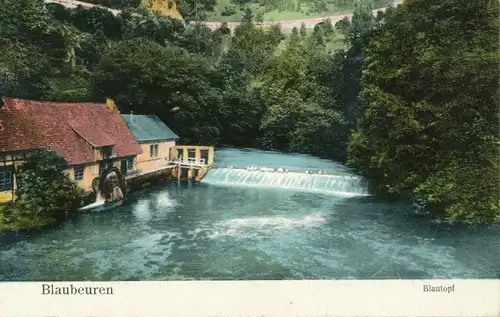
{"x":285,"y":24}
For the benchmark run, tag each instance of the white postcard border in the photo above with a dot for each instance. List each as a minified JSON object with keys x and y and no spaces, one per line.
{"x":253,"y":298}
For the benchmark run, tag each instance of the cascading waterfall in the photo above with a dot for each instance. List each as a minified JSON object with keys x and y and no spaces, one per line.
{"x":345,"y":185}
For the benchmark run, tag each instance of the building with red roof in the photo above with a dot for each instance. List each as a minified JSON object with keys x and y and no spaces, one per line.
{"x":92,"y":137}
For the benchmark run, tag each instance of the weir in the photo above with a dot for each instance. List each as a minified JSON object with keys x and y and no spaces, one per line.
{"x":343,"y":185}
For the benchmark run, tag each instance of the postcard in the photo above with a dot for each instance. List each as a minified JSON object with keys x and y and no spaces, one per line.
{"x":249,"y":158}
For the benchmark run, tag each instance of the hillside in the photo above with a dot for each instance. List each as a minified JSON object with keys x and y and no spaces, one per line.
{"x":273,"y":10}
{"x":164,"y":7}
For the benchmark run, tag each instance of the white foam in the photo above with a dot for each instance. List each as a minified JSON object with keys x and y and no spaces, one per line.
{"x":164,"y":201}
{"x":239,"y":226}
{"x":339,"y":185}
{"x":141,"y":210}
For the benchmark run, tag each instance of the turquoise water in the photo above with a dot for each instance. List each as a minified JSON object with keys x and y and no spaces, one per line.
{"x":239,"y":224}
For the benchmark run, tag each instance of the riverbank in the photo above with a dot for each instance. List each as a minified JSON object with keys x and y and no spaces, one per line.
{"x":12,"y":218}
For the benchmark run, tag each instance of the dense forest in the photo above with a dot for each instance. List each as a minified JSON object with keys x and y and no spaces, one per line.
{"x":410,"y":99}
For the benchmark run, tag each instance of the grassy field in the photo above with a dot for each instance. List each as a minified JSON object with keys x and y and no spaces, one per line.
{"x":274,"y":10}
{"x":291,"y":15}
{"x":273,"y":15}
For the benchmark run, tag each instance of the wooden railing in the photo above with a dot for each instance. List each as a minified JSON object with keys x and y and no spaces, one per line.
{"x":189,"y":161}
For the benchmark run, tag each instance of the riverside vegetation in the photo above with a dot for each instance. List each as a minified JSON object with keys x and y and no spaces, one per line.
{"x":410,"y":101}
{"x":45,"y":195}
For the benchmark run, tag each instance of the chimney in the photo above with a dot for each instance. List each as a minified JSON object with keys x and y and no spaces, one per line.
{"x":110,"y":103}
{"x":131,"y":116}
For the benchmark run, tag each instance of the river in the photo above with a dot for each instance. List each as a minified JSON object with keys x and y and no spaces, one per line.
{"x":252,"y":225}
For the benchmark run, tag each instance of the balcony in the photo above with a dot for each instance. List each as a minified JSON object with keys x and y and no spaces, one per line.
{"x":192,"y":156}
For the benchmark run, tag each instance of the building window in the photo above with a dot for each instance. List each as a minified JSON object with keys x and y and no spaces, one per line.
{"x":153,"y":150}
{"x":127,"y":165}
{"x":107,"y":152}
{"x":130,"y":164}
{"x":5,"y":180}
{"x":204,"y":156}
{"x":79,"y":172}
{"x":104,"y":166}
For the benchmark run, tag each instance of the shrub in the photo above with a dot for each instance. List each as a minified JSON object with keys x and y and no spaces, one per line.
{"x":228,"y":11}
{"x":45,"y":194}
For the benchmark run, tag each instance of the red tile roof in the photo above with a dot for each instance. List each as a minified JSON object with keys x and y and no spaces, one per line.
{"x":71,"y":128}
{"x":95,"y":137}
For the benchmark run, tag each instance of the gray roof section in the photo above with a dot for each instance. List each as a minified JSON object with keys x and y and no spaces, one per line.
{"x":148,"y":128}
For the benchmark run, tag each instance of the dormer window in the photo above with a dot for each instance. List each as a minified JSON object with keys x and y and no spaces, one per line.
{"x":107,"y":152}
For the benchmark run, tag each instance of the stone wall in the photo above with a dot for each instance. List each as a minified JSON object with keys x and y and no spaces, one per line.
{"x":147,"y":180}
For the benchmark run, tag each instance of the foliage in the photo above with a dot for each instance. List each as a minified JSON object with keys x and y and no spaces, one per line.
{"x":303,"y":30}
{"x":299,"y":116}
{"x":93,"y":20}
{"x":430,"y":125}
{"x":30,"y":23}
{"x":343,"y":25}
{"x":195,"y":9}
{"x":21,"y":68}
{"x":251,"y":48}
{"x":44,"y":193}
{"x":155,"y":79}
{"x":229,"y":10}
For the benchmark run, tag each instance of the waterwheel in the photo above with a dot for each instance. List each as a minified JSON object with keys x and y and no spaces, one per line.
{"x":110,"y":180}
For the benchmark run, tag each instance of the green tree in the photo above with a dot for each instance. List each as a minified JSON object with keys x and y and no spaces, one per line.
{"x":362,"y":24}
{"x":22,"y":69}
{"x":299,"y":116}
{"x":93,"y":20}
{"x":154,"y":79}
{"x":157,"y":28}
{"x":247,"y":16}
{"x":345,"y":67}
{"x":259,"y":17}
{"x":59,"y":12}
{"x":317,"y":36}
{"x":275,"y":34}
{"x":199,"y":39}
{"x":45,"y":195}
{"x":252,"y":48}
{"x":343,"y":25}
{"x":30,"y":22}
{"x":327,"y":26}
{"x":194,"y":37}
{"x":303,"y":30}
{"x":430,"y":125}
{"x":35,"y":48}
{"x":195,"y":9}
{"x":295,"y":33}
